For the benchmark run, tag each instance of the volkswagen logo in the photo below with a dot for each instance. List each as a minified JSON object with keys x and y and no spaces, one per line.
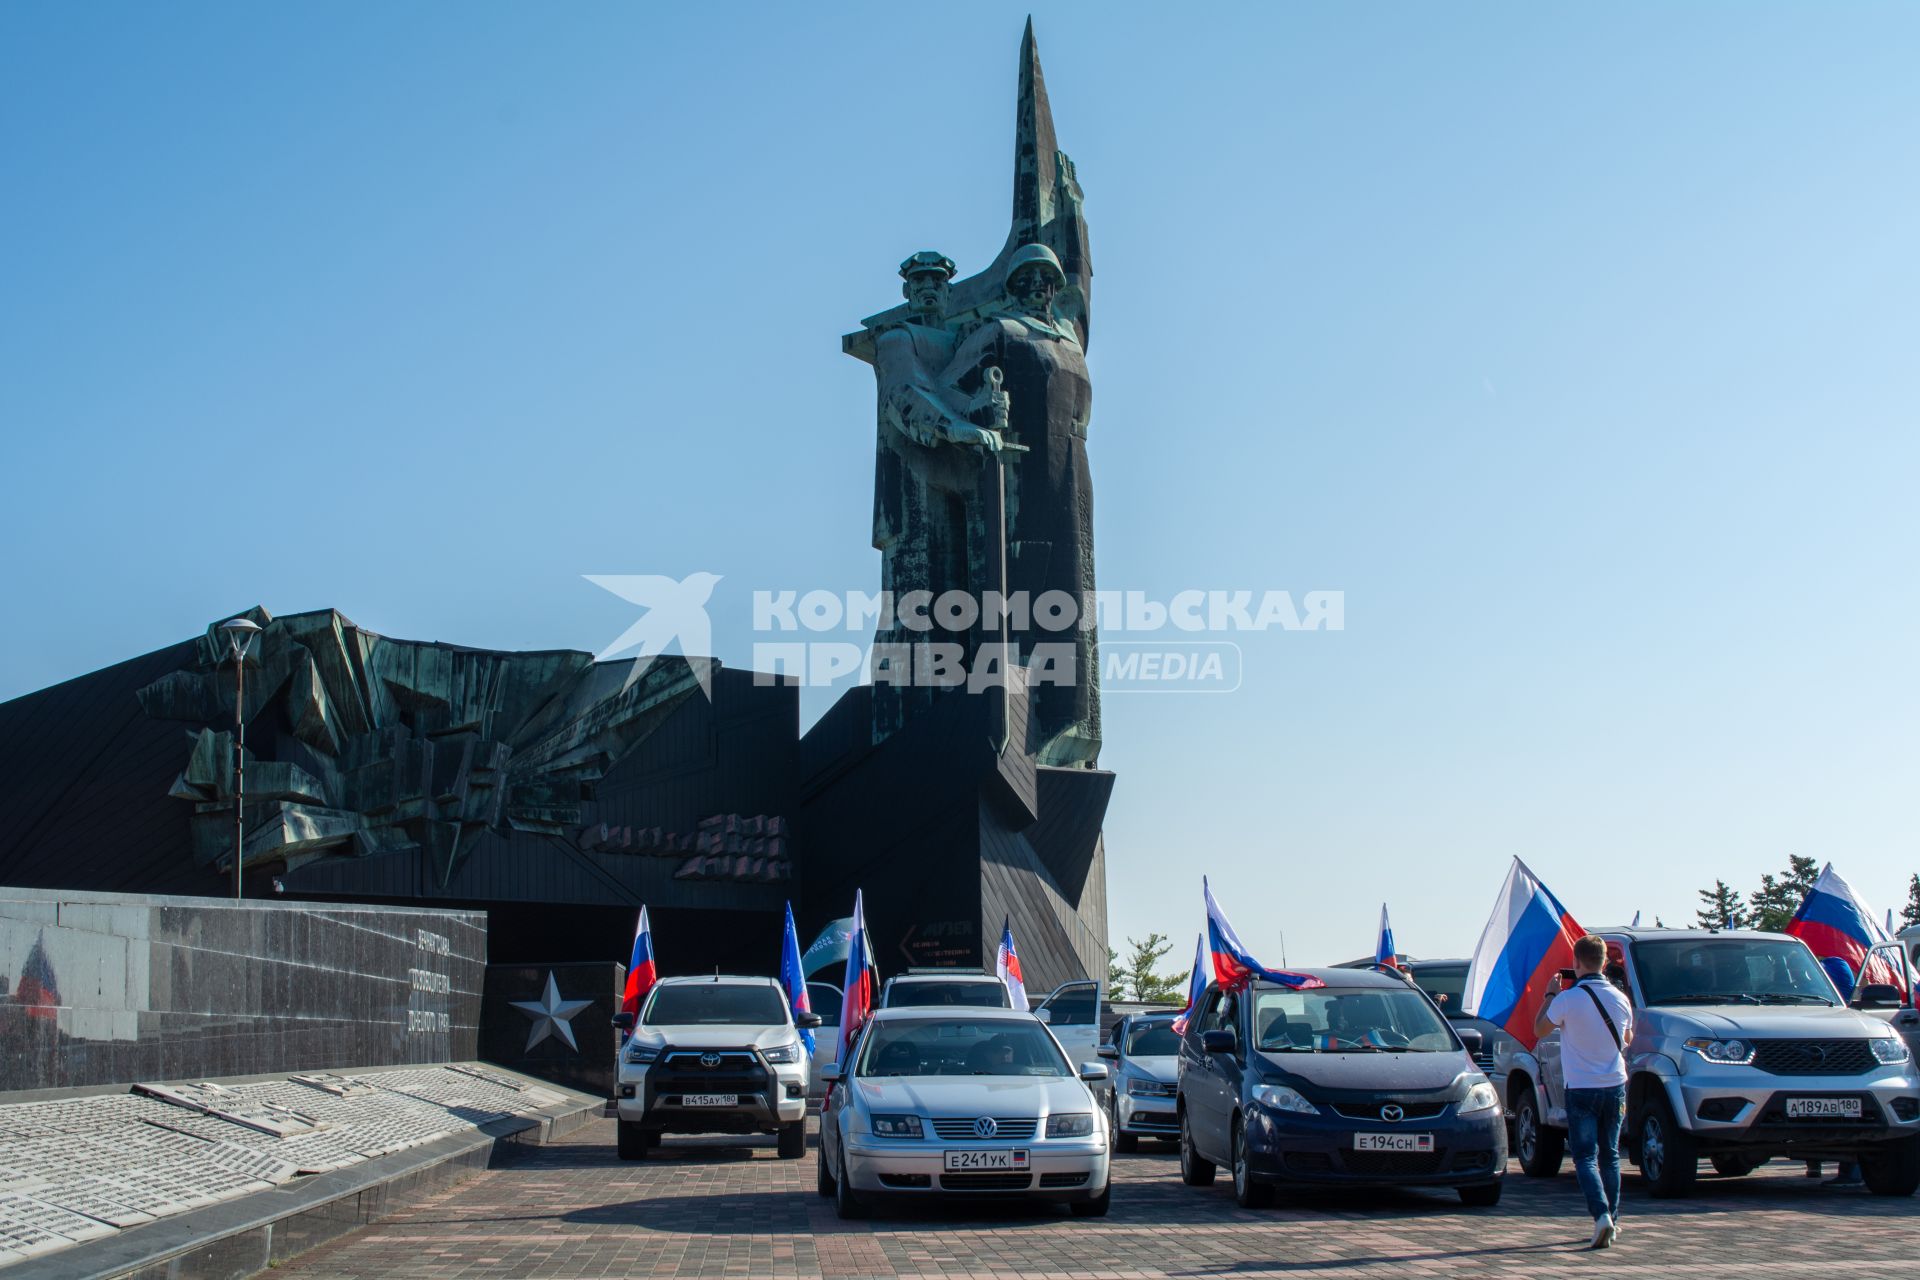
{"x":985,"y":1127}
{"x":710,"y":1061}
{"x":1392,"y":1113}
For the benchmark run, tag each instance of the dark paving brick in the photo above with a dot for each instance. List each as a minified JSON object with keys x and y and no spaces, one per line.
{"x":702,"y":1209}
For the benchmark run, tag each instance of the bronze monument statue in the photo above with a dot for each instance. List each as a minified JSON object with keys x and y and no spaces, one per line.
{"x":982,"y":483}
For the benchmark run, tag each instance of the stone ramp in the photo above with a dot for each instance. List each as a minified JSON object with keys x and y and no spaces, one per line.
{"x":113,"y":1184}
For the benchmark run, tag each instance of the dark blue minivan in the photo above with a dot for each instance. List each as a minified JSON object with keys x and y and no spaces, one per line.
{"x":1361,"y":1082}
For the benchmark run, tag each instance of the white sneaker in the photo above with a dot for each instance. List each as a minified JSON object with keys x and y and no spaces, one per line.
{"x":1603,"y":1232}
{"x":1616,"y":1229}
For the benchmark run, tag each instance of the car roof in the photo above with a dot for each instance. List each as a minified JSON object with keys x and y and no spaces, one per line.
{"x":722,"y":979}
{"x":1647,"y":933}
{"x":969,"y":1013}
{"x":1337,"y":977}
{"x":943,"y":975}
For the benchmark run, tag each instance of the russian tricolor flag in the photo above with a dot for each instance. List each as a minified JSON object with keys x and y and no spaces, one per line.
{"x":1196,"y":985}
{"x":860,"y":986}
{"x":1233,"y":964}
{"x":1835,"y":923}
{"x":1006,"y":963}
{"x":641,"y":974}
{"x":1384,"y":956}
{"x":1528,"y":938}
{"x":794,"y":980}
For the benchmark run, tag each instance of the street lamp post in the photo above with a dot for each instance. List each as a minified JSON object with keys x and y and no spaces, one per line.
{"x":240,"y":633}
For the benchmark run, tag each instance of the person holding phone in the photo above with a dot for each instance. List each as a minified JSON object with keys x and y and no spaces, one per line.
{"x":1595,"y":1021}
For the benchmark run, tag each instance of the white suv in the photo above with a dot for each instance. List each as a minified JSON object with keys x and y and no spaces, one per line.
{"x":714,"y":1055}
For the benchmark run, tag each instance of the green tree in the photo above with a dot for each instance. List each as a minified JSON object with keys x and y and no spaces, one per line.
{"x":1143,"y":984}
{"x":1771,"y":906}
{"x":1116,"y":976}
{"x":1910,"y":914}
{"x":1721,"y":908}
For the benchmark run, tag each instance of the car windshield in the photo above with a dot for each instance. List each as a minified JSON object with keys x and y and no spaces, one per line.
{"x":716,"y":1003}
{"x":1446,"y":983}
{"x":959,"y":1047}
{"x":987,"y":993}
{"x":1730,"y":971}
{"x":1348,"y":1020}
{"x":1152,"y":1040}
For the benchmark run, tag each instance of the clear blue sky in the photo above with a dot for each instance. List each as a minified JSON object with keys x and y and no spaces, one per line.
{"x":1576,"y":344}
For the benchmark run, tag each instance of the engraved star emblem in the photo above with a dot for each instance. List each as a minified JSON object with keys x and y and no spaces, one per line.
{"x":551,"y":1015}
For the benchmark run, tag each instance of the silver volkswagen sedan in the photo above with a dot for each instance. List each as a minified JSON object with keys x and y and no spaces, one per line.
{"x":971,"y":1102}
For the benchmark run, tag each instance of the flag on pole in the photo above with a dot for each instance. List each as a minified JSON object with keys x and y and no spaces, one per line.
{"x":1384,"y":956}
{"x":1196,"y":985}
{"x":39,"y":989}
{"x":1528,"y":938}
{"x":1006,"y":963}
{"x":859,"y":986}
{"x":641,"y":974}
{"x":1233,"y":964}
{"x":1836,"y":924}
{"x":795,"y":981}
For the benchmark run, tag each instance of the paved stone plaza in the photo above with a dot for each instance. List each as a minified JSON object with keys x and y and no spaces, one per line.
{"x":704,"y":1209}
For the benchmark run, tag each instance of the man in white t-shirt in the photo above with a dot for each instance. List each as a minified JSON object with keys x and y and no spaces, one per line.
{"x":1596,"y":1024}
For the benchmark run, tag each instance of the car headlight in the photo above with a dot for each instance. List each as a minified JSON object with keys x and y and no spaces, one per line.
{"x":1480,"y":1097}
{"x":1733,"y":1053}
{"x":1075,"y":1124}
{"x":641,"y":1054}
{"x":1281,"y":1098}
{"x":896,"y":1127}
{"x":1889,"y":1049}
{"x":782,"y":1054}
{"x":1146,"y":1088}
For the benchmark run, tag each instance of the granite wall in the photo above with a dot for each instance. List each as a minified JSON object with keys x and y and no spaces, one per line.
{"x":554,"y":1021}
{"x":106,"y":988}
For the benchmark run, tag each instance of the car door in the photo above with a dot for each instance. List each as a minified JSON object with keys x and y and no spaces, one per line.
{"x":1220,"y":1076}
{"x":1903,"y":1016}
{"x":1073,"y":1015}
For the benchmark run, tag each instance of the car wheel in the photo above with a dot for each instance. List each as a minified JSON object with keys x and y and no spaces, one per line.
{"x":1669,"y":1160}
{"x":1248,"y":1191}
{"x":631,"y":1139}
{"x":1731,"y":1164}
{"x":1124,"y":1143}
{"x":1893,"y":1170}
{"x":1484,"y":1196}
{"x":1195,"y":1169}
{"x":822,"y":1171}
{"x":1096,"y":1207}
{"x":846,"y":1202}
{"x":1540,"y":1148}
{"x":792,"y":1140}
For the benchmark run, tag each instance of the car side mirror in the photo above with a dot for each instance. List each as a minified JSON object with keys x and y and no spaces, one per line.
{"x":1044,"y":1015}
{"x":1877,"y":995}
{"x":1109,"y":1052}
{"x":1472,"y":1039}
{"x":624,"y":1021}
{"x":1092,"y":1072}
{"x":831,"y":1073}
{"x":807,"y":1021}
{"x":1219,"y":1041}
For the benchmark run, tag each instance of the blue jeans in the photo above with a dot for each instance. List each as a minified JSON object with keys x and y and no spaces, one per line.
{"x":1593,"y":1131}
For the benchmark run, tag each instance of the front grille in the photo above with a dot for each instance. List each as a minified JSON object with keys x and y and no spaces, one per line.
{"x":1005,"y":1129}
{"x":1814,"y":1057}
{"x":728,"y":1060}
{"x":1401,"y":1164}
{"x":1484,"y":1061}
{"x":985,"y":1181}
{"x":1057,"y":1180}
{"x":1371,"y":1110}
{"x":733,"y":1071}
{"x":1307,"y":1162}
{"x":905,"y":1181}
